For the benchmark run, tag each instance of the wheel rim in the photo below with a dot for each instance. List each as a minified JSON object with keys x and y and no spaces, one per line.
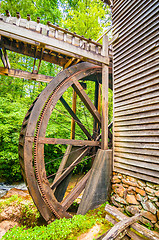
{"x":33,"y":137}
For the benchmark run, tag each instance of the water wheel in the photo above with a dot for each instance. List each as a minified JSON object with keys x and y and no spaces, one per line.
{"x":48,"y":190}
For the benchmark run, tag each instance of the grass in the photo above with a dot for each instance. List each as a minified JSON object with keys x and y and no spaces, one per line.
{"x":63,"y":229}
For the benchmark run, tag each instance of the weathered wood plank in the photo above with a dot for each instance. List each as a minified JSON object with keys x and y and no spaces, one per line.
{"x":18,"y":33}
{"x":147,"y":126}
{"x":69,"y":199}
{"x":70,"y":168}
{"x":137,"y":157}
{"x":72,"y":142}
{"x":84,"y":97}
{"x":23,"y":74}
{"x":137,"y":163}
{"x":3,"y":59}
{"x":138,"y":170}
{"x":128,"y":231}
{"x":74,"y":116}
{"x":120,"y":227}
{"x":137,"y":227}
{"x":137,"y":174}
{"x":137,"y":151}
{"x":105,"y":85}
{"x":149,"y":145}
{"x":142,"y":104}
{"x":152,"y":114}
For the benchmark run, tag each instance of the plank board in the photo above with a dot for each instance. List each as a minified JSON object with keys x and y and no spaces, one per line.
{"x":136,"y":89}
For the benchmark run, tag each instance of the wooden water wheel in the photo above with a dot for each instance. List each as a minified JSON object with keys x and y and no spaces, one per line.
{"x":48,"y":193}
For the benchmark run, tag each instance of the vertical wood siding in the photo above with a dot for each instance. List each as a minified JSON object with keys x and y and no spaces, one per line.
{"x":136,"y":88}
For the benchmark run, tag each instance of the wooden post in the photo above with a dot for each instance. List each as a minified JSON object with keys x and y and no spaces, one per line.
{"x":74,"y":110}
{"x":105,"y":82}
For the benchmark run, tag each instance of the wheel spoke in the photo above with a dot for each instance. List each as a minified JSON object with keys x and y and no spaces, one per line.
{"x":69,"y":199}
{"x":74,"y":116}
{"x":72,"y":142}
{"x":70,"y":168}
{"x":86,"y":100}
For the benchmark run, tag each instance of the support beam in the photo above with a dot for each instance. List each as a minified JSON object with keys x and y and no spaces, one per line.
{"x":23,"y":74}
{"x":74,"y":100}
{"x":3,"y":59}
{"x":97,"y":187}
{"x":73,"y":115}
{"x":105,"y":85}
{"x":72,"y":142}
{"x":6,"y":57}
{"x":24,"y":35}
{"x":86,"y":100}
{"x":71,"y":167}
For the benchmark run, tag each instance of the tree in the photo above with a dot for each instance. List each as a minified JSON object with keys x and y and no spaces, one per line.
{"x":16,"y":95}
{"x":87,"y":17}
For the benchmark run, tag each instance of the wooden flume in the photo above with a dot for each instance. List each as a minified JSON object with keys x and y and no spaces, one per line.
{"x":83,"y":60}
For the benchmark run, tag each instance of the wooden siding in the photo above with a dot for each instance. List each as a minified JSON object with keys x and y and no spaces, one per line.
{"x":136,"y":88}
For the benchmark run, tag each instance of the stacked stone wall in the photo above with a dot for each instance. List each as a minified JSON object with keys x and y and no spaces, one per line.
{"x":132,"y":196}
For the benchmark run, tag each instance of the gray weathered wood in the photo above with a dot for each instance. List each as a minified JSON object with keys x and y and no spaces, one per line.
{"x":105,"y":85}
{"x":23,"y":74}
{"x":72,"y":142}
{"x":141,"y":230}
{"x":119,"y":227}
{"x":24,"y":35}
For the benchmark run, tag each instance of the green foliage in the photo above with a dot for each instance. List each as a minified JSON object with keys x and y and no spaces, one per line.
{"x":45,"y":9}
{"x":29,"y":215}
{"x":87,"y":17}
{"x":9,"y":201}
{"x":59,"y":229}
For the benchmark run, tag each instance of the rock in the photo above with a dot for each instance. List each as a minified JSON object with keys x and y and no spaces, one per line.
{"x":125,"y":194}
{"x":150,"y":191}
{"x":10,"y":212}
{"x":132,"y":209}
{"x":153,"y":199}
{"x":116,"y":179}
{"x":114,"y":202}
{"x":157,"y":226}
{"x":139,"y":197}
{"x":149,"y":216}
{"x":125,"y":185}
{"x":114,"y":186}
{"x":151,"y":185}
{"x":157,"y":187}
{"x":131,"y":199}
{"x":146,"y":222}
{"x":132,"y":179}
{"x":120,"y":175}
{"x":158,"y":214}
{"x":157,"y":203}
{"x":120,"y":200}
{"x":127,"y":182}
{"x":21,"y":193}
{"x":157,"y":194}
{"x":141,"y":183}
{"x":149,"y":206}
{"x":119,"y":190}
{"x":5,"y":226}
{"x":141,"y":192}
{"x":131,"y":190}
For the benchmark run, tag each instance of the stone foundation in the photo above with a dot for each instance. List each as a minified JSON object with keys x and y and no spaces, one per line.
{"x":132,"y":196}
